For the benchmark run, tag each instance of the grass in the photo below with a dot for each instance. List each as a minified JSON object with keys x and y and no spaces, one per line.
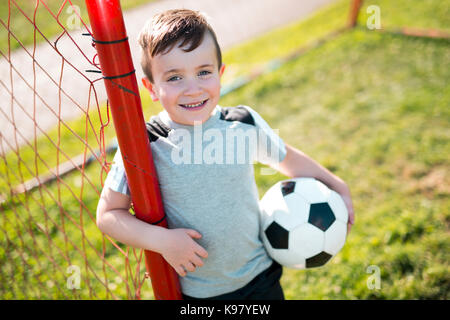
{"x":244,"y":58}
{"x":422,"y":14}
{"x":371,"y":107}
{"x":378,"y":118}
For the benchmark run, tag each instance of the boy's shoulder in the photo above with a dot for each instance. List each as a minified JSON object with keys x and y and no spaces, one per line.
{"x":247,"y":115}
{"x":156,"y":128}
{"x":239,"y":113}
{"x":159,"y":126}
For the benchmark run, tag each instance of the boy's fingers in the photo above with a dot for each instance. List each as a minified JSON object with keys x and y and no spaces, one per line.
{"x":189,"y":267}
{"x":180,"y":271}
{"x":197,"y":261}
{"x":194,"y":234}
{"x":201,"y":252}
{"x":351,"y":218}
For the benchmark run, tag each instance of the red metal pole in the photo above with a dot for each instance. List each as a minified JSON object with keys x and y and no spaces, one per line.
{"x":111,"y":42}
{"x":354,"y":12}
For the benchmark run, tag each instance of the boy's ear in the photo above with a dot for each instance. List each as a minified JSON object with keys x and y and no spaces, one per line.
{"x":222,"y":69}
{"x":147,"y":84}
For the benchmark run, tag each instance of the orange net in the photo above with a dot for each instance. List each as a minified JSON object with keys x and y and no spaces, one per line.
{"x":54,"y":156}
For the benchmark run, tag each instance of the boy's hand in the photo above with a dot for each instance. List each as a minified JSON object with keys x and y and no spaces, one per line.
{"x":344,"y":192}
{"x":182,"y":252}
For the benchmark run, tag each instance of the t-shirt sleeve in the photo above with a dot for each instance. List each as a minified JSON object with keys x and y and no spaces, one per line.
{"x":116,"y":179}
{"x":270,"y":147}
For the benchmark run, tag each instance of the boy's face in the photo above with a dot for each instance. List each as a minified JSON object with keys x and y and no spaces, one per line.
{"x":187,"y":83}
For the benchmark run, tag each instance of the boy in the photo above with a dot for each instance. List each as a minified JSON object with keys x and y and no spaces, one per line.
{"x":209,"y":193}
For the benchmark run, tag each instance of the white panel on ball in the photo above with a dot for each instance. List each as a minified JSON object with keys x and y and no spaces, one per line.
{"x":338,"y":206}
{"x":335,"y":237}
{"x":273,"y":200}
{"x":309,"y":187}
{"x":298,"y":265}
{"x":287,"y":258}
{"x":297,"y":213}
{"x":306,"y":240}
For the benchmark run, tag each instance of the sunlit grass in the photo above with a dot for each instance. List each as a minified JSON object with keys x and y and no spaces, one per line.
{"x":373,"y":108}
{"x":420,"y":14}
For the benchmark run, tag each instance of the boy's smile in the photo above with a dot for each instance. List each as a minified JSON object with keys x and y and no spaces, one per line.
{"x":194,"y":106}
{"x":187,"y":83}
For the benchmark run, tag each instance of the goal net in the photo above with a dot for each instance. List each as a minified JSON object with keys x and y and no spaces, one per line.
{"x":55,"y":152}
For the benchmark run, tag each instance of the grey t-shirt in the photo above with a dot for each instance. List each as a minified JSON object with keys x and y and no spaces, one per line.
{"x":207,"y":183}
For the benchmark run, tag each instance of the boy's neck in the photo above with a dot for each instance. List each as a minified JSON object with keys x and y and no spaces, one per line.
{"x":165,"y":117}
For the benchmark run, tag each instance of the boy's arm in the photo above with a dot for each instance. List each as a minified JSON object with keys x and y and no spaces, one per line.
{"x":176,"y":245}
{"x":298,"y":164}
{"x":115,"y":220}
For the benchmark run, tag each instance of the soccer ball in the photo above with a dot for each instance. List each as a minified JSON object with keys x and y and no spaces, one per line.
{"x":303,"y":223}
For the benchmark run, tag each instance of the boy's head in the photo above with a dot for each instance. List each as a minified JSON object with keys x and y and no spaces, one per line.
{"x":183,"y":64}
{"x":182,"y":27}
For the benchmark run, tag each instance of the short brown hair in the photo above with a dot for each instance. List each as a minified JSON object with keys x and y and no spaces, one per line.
{"x":166,"y":29}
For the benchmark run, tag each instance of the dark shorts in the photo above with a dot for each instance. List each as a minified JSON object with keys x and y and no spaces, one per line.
{"x":265,"y":286}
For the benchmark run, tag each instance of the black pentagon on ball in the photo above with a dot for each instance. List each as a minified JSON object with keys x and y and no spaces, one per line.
{"x":277,"y":236}
{"x":287,"y":187}
{"x":318,"y":260}
{"x":321,"y":216}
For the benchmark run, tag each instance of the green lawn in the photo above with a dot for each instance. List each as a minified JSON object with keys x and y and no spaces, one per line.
{"x":379,"y":118}
{"x":420,"y":14}
{"x":371,"y":107}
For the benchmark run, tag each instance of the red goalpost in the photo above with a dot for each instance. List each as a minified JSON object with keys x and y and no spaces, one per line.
{"x":111,"y":42}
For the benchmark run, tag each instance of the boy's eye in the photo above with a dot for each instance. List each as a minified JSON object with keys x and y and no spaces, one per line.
{"x":174,"y":78}
{"x":204,"y":73}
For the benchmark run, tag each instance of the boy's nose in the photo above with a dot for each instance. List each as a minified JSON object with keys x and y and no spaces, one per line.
{"x":192,"y":89}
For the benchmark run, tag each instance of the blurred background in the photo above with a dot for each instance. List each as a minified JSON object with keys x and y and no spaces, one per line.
{"x":360,"y":86}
